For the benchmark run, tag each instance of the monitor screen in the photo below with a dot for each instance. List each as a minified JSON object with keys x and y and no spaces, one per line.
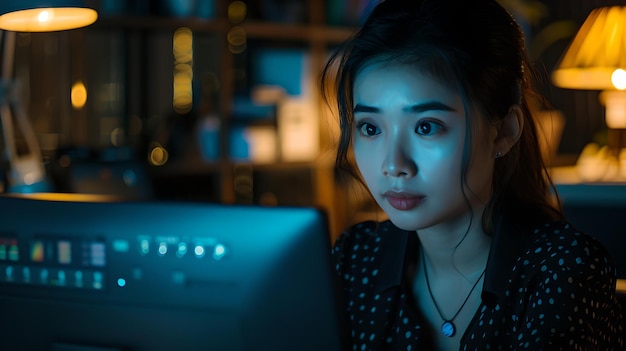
{"x":78,"y":274}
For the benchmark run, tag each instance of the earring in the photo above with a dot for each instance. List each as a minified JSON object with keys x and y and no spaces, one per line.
{"x":498,"y":154}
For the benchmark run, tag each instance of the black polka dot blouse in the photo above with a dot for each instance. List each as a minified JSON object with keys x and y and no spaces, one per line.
{"x":549,"y":289}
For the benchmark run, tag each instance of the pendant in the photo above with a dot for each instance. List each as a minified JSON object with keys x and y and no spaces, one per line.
{"x":448,"y":329}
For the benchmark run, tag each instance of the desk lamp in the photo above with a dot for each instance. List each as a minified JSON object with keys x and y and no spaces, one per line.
{"x":596,"y":60}
{"x":26,"y":170}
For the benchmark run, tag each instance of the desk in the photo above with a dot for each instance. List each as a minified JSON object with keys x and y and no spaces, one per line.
{"x":593,"y":194}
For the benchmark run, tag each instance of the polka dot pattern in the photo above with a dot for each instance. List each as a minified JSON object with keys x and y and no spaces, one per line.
{"x":559,"y":294}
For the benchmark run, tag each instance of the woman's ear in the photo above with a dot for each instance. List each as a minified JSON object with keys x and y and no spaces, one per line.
{"x":509,"y":130}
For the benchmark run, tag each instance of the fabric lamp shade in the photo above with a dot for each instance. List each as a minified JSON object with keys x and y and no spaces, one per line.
{"x":44,"y":15}
{"x":596,"y":60}
{"x":595,"y":53}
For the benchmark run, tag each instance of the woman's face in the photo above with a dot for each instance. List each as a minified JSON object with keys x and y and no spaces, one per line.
{"x":408,"y":142}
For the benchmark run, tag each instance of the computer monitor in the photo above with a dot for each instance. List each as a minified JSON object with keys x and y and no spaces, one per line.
{"x":144,"y":276}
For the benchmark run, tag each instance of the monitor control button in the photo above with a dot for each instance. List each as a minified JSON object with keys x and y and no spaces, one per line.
{"x":199,"y":251}
{"x":218,"y":252}
{"x":162,"y":248}
{"x":144,"y":246}
{"x":182,"y":250}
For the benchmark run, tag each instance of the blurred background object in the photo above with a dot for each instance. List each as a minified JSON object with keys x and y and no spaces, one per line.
{"x":26,"y":172}
{"x":595,"y":60}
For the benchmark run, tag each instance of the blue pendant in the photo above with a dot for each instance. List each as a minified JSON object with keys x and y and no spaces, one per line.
{"x":448,"y":329}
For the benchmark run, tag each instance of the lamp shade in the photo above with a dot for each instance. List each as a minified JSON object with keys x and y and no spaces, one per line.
{"x":44,"y":15}
{"x":595,"y":53}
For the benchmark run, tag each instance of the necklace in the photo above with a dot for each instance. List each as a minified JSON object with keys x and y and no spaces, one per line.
{"x":448,"y":328}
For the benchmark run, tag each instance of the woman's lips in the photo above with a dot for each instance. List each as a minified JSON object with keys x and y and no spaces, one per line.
{"x":403,"y":201}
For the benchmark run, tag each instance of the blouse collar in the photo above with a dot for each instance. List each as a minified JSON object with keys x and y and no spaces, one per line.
{"x":396,"y":250}
{"x":400,"y":250}
{"x":508,"y":244}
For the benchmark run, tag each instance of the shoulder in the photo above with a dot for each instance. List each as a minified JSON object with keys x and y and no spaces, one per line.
{"x":559,"y":246}
{"x":571,"y":283}
{"x":561,"y":291}
{"x":562,"y":240}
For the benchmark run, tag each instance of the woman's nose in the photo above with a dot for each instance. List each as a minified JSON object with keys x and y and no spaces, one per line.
{"x":398,"y":161}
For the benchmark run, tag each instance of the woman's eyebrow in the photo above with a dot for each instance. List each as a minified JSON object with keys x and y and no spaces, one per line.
{"x":365,"y":108}
{"x":429,"y":106}
{"x":417,"y":108}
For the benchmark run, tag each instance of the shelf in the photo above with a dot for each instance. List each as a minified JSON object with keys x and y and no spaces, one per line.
{"x":192,"y":177}
{"x":264,"y":30}
{"x":254,"y":29}
{"x":156,"y":22}
{"x":202,"y":167}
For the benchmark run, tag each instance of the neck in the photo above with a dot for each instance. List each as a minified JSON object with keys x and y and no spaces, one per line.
{"x":455,"y":250}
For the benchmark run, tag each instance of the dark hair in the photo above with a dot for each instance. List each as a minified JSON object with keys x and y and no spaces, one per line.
{"x":476,"y":47}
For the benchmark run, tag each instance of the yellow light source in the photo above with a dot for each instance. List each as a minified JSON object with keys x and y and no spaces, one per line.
{"x":596,"y":59}
{"x":183,"y":70}
{"x":47,"y":19}
{"x":79,"y":95}
{"x":45,"y":15}
{"x":618,"y":78}
{"x":237,"y":11}
{"x":597,"y":50}
{"x":158,"y":155}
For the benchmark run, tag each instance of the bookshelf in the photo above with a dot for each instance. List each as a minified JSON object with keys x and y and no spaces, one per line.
{"x":141,"y":63}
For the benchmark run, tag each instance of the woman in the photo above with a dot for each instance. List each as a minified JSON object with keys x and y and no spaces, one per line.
{"x":433,"y":99}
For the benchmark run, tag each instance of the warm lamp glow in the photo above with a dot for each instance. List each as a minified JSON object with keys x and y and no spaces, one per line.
{"x":45,"y":15}
{"x":183,"y":70}
{"x":596,"y":59}
{"x":79,"y":95}
{"x":618,"y":78}
{"x":48,"y":19}
{"x":598,"y":49}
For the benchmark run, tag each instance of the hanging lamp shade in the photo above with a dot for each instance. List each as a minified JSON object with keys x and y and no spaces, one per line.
{"x":44,"y":15}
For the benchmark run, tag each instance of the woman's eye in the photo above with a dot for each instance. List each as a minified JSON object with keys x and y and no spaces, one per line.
{"x":368,"y":129}
{"x":428,"y":128}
